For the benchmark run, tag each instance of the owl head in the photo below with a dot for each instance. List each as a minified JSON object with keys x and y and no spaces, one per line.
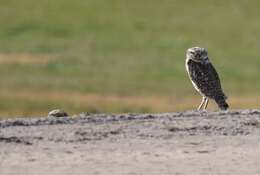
{"x":198,"y":54}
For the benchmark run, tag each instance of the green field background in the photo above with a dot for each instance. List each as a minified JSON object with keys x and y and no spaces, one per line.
{"x":123,"y":55}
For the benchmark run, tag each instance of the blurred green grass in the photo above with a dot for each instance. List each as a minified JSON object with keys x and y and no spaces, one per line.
{"x":123,"y":48}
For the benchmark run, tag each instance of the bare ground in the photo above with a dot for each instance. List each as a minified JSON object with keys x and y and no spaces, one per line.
{"x":133,"y":144}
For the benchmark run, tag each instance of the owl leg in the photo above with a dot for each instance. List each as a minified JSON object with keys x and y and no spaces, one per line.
{"x":202,"y":103}
{"x":206,"y":103}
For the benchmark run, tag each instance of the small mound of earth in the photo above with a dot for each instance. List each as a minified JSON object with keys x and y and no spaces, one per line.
{"x":58,"y":113}
{"x":189,"y":142}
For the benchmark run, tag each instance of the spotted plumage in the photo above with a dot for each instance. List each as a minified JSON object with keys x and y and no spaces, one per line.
{"x":204,"y":77}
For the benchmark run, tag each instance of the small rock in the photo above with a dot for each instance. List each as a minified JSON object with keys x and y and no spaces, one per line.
{"x":58,"y":113}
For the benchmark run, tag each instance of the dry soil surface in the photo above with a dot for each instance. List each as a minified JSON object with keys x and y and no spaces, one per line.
{"x":192,"y":143}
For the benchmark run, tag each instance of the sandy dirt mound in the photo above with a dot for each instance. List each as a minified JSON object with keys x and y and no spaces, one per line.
{"x":133,"y":144}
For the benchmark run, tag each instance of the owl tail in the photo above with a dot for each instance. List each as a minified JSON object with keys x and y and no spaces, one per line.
{"x":222,"y":104}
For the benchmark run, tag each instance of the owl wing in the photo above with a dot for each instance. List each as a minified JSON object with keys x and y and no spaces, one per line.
{"x":206,"y":79}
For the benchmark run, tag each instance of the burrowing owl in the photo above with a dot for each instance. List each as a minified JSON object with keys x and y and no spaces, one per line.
{"x":204,"y":78}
